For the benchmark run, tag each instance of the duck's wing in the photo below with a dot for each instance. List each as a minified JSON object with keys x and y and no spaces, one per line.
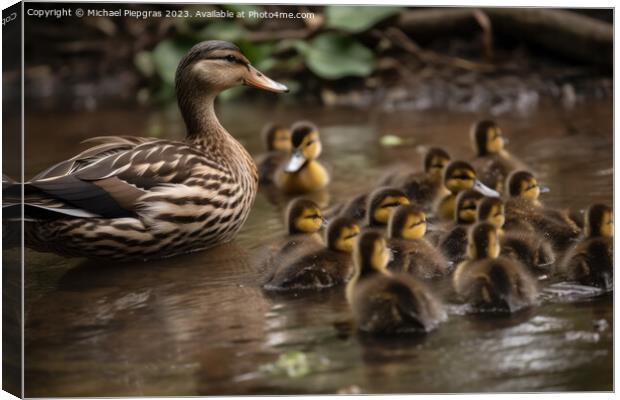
{"x":108,"y":179}
{"x":102,"y":146}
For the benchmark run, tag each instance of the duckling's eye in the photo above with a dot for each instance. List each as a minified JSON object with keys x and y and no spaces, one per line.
{"x":310,"y":142}
{"x":392,"y":204}
{"x":313,"y":216}
{"x":462,"y":177}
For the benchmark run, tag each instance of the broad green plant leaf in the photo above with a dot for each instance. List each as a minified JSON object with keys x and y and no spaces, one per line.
{"x":166,"y":57}
{"x":333,"y":56}
{"x":356,"y":19}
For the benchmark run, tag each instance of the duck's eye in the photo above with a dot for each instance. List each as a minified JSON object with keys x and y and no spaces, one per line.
{"x":230,"y":58}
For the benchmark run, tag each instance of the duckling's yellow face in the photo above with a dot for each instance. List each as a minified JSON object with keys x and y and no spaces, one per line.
{"x":347,"y":238}
{"x":310,"y":146}
{"x":387,"y":206}
{"x":380,"y":255}
{"x":282,"y":140}
{"x":607,"y":225}
{"x":437,"y":166}
{"x":529,"y":189}
{"x":309,"y":220}
{"x":495,"y":140}
{"x":497,"y":216}
{"x":415,"y":226}
{"x":467,"y":211}
{"x":460,"y":179}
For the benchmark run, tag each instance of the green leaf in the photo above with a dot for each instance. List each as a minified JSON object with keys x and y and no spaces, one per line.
{"x":223,"y":30}
{"x":334,"y":56}
{"x":144,"y":62}
{"x":356,"y":19}
{"x":166,"y":57}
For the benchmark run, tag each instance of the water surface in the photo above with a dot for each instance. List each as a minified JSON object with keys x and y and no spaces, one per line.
{"x":200,"y":324}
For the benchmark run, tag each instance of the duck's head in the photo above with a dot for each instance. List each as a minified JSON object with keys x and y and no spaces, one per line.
{"x":524,"y":184}
{"x":371,"y":254}
{"x":460,"y":175}
{"x":303,"y":216}
{"x":407,"y":222}
{"x":277,"y":138}
{"x":435,"y":161}
{"x":599,"y":221}
{"x":342,"y":234}
{"x":466,"y":206}
{"x":487,"y":138}
{"x":382,"y":203}
{"x":483,"y":242}
{"x":306,"y":145}
{"x":491,"y":209}
{"x":216,"y":65}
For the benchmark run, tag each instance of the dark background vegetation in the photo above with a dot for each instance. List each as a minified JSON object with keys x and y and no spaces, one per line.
{"x":498,"y":59}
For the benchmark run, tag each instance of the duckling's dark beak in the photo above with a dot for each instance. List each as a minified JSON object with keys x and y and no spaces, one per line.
{"x":485,"y":190}
{"x":543,"y":189}
{"x":296,"y":161}
{"x":257,"y":79}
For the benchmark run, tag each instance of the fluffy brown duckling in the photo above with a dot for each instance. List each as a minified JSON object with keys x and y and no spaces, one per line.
{"x":302,"y":173}
{"x":304,"y":220}
{"x":493,"y":162}
{"x":590,"y":262}
{"x":527,"y":247}
{"x":524,"y":211}
{"x":381,"y":204}
{"x":489,"y":282}
{"x":422,"y":188}
{"x":320,"y":268}
{"x":453,"y":243}
{"x":459,"y":176}
{"x":383,"y":303}
{"x":277,"y":140}
{"x":411,"y":252}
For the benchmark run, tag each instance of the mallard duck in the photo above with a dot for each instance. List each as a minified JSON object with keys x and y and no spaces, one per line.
{"x":277,"y":140}
{"x":302,"y":173}
{"x":590,"y":262}
{"x":527,"y":247}
{"x":131,"y":197}
{"x":488,"y":281}
{"x":381,"y":204}
{"x":493,"y":162}
{"x":459,"y":176}
{"x":524,"y":211}
{"x":322,"y":268}
{"x":411,"y":252}
{"x":384,"y":303}
{"x":422,"y":188}
{"x":453,"y":244}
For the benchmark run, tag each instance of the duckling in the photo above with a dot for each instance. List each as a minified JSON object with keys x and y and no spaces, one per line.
{"x":383,"y":303}
{"x":524,"y":211}
{"x":453,"y":244}
{"x":303,"y":221}
{"x":527,"y":247}
{"x":381,"y":204}
{"x":491,"y":282}
{"x":492,"y":161}
{"x":423,"y":188}
{"x":459,"y":176}
{"x":277,"y":140}
{"x":411,"y":252}
{"x":590,"y":262}
{"x":302,"y":173}
{"x":322,"y":268}
{"x":354,"y":208}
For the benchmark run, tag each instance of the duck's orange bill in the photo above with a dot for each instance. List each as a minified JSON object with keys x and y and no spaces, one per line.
{"x":257,"y":79}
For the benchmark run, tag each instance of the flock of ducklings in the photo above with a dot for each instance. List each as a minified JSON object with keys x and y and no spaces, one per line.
{"x":490,"y":234}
